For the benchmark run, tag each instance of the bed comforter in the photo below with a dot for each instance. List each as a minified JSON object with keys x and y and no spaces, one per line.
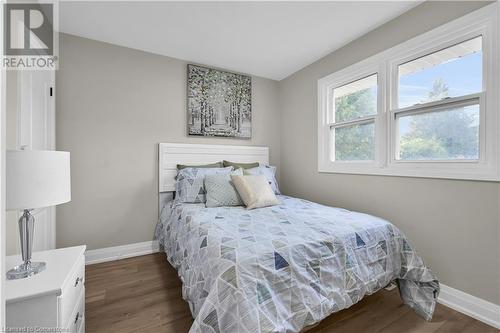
{"x":282,"y":268}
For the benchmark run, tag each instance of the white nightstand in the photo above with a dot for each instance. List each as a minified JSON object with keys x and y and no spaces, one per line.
{"x":54,"y":298}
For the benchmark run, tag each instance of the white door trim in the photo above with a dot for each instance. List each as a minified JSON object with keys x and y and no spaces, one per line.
{"x":2,"y":181}
{"x":25,"y":127}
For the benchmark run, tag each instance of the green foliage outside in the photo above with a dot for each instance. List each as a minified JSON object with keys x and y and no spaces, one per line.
{"x":355,"y":142}
{"x":448,"y":134}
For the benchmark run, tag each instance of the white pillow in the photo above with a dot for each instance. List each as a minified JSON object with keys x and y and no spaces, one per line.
{"x":255,"y":191}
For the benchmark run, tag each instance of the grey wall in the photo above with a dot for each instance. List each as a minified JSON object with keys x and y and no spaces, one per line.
{"x":114,"y":105}
{"x":453,"y":224}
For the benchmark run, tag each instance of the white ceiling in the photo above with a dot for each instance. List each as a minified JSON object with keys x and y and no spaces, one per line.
{"x":268,"y":39}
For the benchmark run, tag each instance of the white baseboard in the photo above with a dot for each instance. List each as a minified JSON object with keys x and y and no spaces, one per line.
{"x":472,"y":306}
{"x":120,"y":252}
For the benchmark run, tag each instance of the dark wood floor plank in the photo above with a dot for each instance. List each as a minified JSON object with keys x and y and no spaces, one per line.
{"x":369,"y":315}
{"x":143,"y":294}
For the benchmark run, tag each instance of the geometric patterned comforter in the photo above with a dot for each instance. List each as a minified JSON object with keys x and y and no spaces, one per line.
{"x":282,"y":268}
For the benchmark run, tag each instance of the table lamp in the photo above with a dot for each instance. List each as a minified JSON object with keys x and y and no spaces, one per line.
{"x":34,"y":179}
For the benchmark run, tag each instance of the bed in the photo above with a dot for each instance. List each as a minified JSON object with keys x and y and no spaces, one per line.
{"x":281,"y":268}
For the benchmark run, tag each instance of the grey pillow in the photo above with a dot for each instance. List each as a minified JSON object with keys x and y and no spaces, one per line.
{"x":237,"y":165}
{"x":189,"y":186}
{"x":212,"y":165}
{"x":220,"y":190}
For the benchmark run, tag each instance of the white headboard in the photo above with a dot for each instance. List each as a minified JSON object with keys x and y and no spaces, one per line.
{"x":171,"y":154}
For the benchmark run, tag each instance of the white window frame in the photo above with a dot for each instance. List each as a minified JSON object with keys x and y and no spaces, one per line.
{"x":483,"y":22}
{"x":363,"y":71}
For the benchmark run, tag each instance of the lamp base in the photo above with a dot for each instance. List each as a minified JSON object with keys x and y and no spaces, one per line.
{"x":25,"y":270}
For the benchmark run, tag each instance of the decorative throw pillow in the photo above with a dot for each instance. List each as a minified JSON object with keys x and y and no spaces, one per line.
{"x":237,"y":165}
{"x":255,"y":191}
{"x":189,"y":186}
{"x":221,"y":191}
{"x":211,"y":165}
{"x":269,"y":172}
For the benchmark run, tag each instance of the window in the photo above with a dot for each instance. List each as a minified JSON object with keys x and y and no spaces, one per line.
{"x":448,"y":133}
{"x":451,"y":72}
{"x":426,"y":108}
{"x":354,"y":107}
{"x":433,"y":124}
{"x":355,"y":142}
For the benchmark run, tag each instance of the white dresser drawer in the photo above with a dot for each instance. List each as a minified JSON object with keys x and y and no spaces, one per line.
{"x":73,"y":288}
{"x":77,"y":319}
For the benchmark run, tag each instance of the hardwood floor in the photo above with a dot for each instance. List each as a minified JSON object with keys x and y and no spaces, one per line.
{"x":143,"y":294}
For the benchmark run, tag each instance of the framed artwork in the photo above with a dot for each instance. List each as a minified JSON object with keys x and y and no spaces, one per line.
{"x":219,"y":103}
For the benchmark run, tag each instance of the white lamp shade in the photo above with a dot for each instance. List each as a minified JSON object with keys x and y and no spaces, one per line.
{"x":37,"y":178}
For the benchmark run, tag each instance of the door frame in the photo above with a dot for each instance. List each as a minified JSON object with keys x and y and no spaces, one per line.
{"x":2,"y":182}
{"x":49,"y":234}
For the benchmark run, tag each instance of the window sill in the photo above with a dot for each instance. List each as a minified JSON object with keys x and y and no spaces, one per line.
{"x":422,"y":170}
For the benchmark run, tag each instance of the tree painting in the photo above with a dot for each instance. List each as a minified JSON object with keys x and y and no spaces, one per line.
{"x":219,"y":103}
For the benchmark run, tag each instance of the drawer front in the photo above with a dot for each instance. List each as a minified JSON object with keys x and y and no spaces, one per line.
{"x":35,"y":312}
{"x":71,"y":292}
{"x":77,"y":318}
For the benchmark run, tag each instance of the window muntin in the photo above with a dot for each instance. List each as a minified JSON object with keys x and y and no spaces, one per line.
{"x":355,"y":106}
{"x":355,"y":142}
{"x":451,"y":72}
{"x":450,"y":133}
{"x":356,"y":99}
